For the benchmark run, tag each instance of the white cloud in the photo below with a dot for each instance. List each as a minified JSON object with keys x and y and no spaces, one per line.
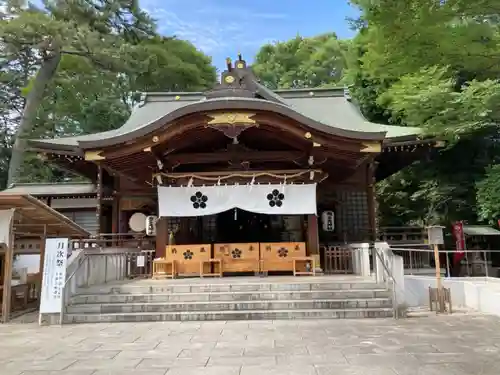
{"x":211,"y":28}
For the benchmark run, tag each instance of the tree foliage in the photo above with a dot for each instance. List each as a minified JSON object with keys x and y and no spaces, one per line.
{"x":302,"y":62}
{"x":426,"y":63}
{"x":488,"y":195}
{"x":78,"y":66}
{"x":432,"y":64}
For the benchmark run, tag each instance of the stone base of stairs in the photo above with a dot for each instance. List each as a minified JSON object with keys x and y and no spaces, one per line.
{"x":271,"y":298}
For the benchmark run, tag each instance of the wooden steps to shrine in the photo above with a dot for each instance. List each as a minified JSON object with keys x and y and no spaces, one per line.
{"x":201,"y":300}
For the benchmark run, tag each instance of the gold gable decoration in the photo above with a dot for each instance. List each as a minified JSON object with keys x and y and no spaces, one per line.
{"x":231,"y":118}
{"x":372,"y":147}
{"x":94,"y":155}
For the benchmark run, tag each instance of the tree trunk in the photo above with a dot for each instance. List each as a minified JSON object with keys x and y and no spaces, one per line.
{"x":34,"y":98}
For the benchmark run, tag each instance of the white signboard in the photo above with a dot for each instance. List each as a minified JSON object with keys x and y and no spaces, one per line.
{"x":141,"y":261}
{"x":54,"y":275}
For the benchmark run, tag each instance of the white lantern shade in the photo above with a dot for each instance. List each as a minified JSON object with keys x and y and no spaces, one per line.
{"x":137,"y":222}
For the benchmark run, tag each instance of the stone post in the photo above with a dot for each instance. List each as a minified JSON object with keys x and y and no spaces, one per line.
{"x":361,"y":259}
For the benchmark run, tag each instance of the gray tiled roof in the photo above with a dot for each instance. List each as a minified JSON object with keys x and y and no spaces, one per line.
{"x":327,"y":106}
{"x":39,"y":189}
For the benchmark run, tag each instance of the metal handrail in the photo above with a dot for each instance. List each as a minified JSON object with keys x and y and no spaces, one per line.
{"x":63,"y":291}
{"x":120,"y":271}
{"x":391,"y":276}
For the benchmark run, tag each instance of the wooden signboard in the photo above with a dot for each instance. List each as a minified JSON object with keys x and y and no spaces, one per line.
{"x":238,"y":257}
{"x":278,"y":256}
{"x":188,"y":258}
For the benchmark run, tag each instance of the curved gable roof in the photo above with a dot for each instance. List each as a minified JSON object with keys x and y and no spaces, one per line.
{"x":325,"y":110}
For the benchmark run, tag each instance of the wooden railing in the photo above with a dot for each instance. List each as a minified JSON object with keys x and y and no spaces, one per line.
{"x":336,"y":259}
{"x":116,"y":240}
{"x":402,"y":235}
{"x":407,"y":235}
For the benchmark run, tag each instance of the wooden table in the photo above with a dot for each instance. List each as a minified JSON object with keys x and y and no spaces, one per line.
{"x":164,"y":269}
{"x":298,"y":261}
{"x":217,"y":263}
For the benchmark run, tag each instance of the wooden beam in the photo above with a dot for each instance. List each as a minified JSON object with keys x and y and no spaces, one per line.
{"x":161,"y":237}
{"x":243,"y":177}
{"x":251,"y":156}
{"x":73,"y":168}
{"x":312,"y":234}
{"x":113,"y":171}
{"x":43,"y":238}
{"x":301,"y":131}
{"x":283,"y":172}
{"x":370,"y":195}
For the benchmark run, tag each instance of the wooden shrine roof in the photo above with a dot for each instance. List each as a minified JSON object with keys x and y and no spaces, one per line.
{"x":330,"y":111}
{"x":32,"y":216}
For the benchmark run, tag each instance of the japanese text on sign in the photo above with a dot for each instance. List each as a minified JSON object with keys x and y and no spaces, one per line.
{"x":54,"y":274}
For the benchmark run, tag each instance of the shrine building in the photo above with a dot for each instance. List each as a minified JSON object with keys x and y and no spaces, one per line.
{"x":239,"y":172}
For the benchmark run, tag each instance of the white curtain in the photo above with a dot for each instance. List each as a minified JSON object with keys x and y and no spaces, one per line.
{"x":264,"y":199}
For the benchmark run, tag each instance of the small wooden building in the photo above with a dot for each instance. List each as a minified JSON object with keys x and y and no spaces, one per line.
{"x":25,"y":224}
{"x":239,"y":135}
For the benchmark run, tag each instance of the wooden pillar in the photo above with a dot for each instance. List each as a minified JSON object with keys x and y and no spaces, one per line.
{"x":42,"y":260}
{"x":99,"y":199}
{"x":115,"y":219}
{"x":7,"y":274}
{"x":370,"y":194}
{"x":116,"y":209}
{"x":312,"y":234}
{"x":161,"y":237}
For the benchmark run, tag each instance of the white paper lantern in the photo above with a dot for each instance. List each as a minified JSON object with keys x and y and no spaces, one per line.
{"x":137,"y":222}
{"x":328,"y":221}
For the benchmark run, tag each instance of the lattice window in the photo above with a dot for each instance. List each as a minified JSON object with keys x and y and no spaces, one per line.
{"x":209,"y":228}
{"x":352,"y":214}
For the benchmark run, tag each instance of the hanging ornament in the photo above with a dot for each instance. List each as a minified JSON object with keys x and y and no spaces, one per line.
{"x":235,"y":214}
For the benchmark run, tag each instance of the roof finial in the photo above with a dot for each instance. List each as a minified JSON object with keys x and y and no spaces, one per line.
{"x":239,"y":56}
{"x":228,"y":62}
{"x":347,"y":93}
{"x":142,"y":99}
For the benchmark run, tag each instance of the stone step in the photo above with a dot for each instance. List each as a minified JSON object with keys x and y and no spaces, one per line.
{"x":231,"y":315}
{"x":230,"y":296}
{"x":209,"y":286}
{"x":230,"y":306}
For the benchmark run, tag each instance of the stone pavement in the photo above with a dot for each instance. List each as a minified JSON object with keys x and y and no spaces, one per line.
{"x":444,"y":345}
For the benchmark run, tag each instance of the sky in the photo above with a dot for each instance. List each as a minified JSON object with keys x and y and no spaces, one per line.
{"x":222,"y":28}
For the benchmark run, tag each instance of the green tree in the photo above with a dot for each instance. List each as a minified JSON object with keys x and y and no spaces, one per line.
{"x":488,"y":195}
{"x":90,"y":61}
{"x":301,"y":62}
{"x":433,"y":64}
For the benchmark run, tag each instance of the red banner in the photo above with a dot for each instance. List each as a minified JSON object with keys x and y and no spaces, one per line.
{"x":458,"y":234}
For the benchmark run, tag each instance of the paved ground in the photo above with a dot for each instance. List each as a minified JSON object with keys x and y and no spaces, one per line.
{"x":444,"y":345}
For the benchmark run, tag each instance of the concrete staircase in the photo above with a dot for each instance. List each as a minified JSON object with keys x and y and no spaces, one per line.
{"x":222,"y":299}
